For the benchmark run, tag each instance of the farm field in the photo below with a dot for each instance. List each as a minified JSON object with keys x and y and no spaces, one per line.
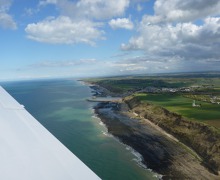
{"x":202,"y":87}
{"x":207,"y":83}
{"x":207,"y":113}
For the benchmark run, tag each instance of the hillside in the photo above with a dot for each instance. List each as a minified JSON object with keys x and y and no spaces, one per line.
{"x":203,"y":139}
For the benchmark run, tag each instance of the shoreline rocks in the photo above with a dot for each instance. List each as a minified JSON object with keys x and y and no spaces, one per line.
{"x":203,"y":139}
{"x":160,"y":153}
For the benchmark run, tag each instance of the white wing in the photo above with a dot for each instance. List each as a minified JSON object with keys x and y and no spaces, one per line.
{"x":29,"y":152}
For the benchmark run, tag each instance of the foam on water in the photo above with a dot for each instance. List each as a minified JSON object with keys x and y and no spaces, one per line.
{"x":101,"y":123}
{"x":138,"y":158}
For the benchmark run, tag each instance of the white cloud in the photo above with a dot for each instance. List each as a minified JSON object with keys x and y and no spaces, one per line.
{"x":98,"y":9}
{"x":139,"y":8}
{"x":64,"y":64}
{"x":63,"y":30}
{"x":5,"y":5}
{"x":172,"y":33}
{"x":46,"y":2}
{"x":186,"y":40}
{"x":183,"y":11}
{"x":6,"y":20}
{"x":134,"y":69}
{"x":121,"y":23}
{"x":120,"y":64}
{"x":143,"y":65}
{"x":102,"y":9}
{"x":78,"y":22}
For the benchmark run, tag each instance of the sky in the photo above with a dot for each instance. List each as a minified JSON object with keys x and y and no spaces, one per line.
{"x":89,"y":38}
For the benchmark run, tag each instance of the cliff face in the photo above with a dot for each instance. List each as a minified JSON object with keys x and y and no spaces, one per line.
{"x":203,"y":139}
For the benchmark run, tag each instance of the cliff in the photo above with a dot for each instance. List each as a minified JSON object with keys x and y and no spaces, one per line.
{"x":203,"y":139}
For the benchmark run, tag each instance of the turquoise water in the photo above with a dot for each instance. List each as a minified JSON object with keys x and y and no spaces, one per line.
{"x":61,"y":106}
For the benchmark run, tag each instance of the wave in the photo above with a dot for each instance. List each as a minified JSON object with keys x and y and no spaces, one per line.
{"x":101,"y":123}
{"x":107,"y":134}
{"x":138,"y":158}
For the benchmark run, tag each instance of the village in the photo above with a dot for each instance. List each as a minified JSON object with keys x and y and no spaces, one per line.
{"x":186,"y":92}
{"x":192,"y":92}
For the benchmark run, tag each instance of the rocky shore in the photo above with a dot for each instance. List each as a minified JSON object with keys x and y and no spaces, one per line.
{"x":161,"y":137}
{"x":160,"y":153}
{"x":202,"y":138}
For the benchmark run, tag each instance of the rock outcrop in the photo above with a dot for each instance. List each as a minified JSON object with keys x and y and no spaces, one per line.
{"x":203,"y":139}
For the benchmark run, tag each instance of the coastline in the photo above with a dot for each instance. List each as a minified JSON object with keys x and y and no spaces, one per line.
{"x":138,"y":157}
{"x":160,"y":151}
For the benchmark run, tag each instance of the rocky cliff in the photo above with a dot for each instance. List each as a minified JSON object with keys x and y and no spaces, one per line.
{"x":203,"y":139}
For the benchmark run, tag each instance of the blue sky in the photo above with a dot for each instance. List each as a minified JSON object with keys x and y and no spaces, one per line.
{"x":82,"y":38}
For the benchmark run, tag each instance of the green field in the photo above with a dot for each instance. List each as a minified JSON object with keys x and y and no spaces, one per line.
{"x":208,"y":83}
{"x":207,"y":113}
{"x":203,"y":86}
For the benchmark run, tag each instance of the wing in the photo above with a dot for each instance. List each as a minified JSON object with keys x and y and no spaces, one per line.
{"x":28,"y":151}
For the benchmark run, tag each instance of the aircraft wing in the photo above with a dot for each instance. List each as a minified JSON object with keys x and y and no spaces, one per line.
{"x":30,"y":152}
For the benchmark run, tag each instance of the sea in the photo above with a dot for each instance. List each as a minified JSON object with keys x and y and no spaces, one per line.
{"x":60,"y":106}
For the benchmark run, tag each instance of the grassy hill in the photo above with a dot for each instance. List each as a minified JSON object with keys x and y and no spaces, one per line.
{"x":207,"y":113}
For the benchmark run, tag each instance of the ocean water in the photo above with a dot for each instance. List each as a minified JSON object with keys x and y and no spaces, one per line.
{"x":61,"y":106}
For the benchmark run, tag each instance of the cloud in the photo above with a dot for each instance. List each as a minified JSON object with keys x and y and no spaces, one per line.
{"x":6,"y":20}
{"x":183,"y":11}
{"x":98,"y":9}
{"x":63,"y":30}
{"x":186,"y":40}
{"x":46,"y":2}
{"x":140,"y":65}
{"x":173,"y":32}
{"x":123,"y":23}
{"x":78,"y":21}
{"x":102,"y":9}
{"x":153,"y":64}
{"x":128,"y":67}
{"x":64,"y":64}
{"x":139,"y":8}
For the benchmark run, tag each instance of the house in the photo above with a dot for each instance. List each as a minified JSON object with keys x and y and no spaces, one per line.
{"x":195,"y":105}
